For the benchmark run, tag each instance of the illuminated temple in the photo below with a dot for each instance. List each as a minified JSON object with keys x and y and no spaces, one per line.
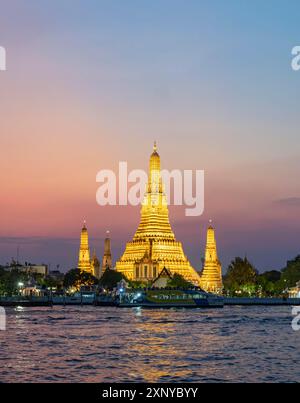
{"x":92,"y":266}
{"x":211,"y":277}
{"x":154,"y":245}
{"x":84,"y":261}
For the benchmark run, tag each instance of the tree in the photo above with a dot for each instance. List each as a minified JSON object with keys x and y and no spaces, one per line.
{"x":178,"y":281}
{"x":51,"y":282}
{"x":76,"y":278}
{"x":9,"y":282}
{"x":241,"y":277}
{"x":291,"y":273}
{"x":269,"y":283}
{"x":111,"y":278}
{"x":138,"y":284}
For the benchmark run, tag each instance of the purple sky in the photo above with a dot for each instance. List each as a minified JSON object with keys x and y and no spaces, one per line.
{"x":91,"y":83}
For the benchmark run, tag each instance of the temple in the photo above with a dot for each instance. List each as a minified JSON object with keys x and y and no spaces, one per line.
{"x":84,"y":262}
{"x":95,"y":266}
{"x":211,"y":277}
{"x":107,"y":259}
{"x":154,"y":245}
{"x":154,"y":250}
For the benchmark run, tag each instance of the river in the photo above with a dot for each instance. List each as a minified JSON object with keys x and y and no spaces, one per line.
{"x":95,"y":344}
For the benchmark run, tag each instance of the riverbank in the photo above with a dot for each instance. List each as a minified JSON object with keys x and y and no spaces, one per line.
{"x":262,"y":301}
{"x":107,"y":301}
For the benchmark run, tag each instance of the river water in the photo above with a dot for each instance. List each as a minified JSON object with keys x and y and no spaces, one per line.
{"x":89,"y":344}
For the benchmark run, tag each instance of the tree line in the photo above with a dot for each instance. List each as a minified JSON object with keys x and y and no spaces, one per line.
{"x":241,"y":279}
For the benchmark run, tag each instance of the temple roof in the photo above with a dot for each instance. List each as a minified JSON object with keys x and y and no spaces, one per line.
{"x":164,"y":273}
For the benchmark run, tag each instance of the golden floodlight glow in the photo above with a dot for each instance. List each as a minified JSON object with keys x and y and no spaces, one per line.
{"x":154,"y":245}
{"x":211,"y":277}
{"x":84,"y":262}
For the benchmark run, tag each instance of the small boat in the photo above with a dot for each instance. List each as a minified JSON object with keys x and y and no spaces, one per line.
{"x":169,"y":298}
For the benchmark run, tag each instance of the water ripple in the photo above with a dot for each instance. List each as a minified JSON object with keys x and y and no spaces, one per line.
{"x":88,"y":344}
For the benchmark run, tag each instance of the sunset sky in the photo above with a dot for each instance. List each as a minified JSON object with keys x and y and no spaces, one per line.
{"x":91,"y":83}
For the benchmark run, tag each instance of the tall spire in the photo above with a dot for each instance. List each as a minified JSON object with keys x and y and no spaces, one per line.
{"x":211,"y":278}
{"x":107,"y":257}
{"x":84,"y":263}
{"x":95,"y":265}
{"x":154,"y":213}
{"x":154,"y":179}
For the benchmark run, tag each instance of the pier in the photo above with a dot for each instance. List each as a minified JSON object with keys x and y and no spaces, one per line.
{"x":261,"y":301}
{"x":98,"y":301}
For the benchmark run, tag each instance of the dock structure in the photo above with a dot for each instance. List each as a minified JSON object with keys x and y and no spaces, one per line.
{"x":100,"y":300}
{"x":261,"y":301}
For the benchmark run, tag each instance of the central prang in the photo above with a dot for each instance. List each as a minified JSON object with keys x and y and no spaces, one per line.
{"x":154,"y":245}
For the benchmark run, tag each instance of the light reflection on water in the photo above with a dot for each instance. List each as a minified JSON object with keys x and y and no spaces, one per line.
{"x":88,"y":344}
